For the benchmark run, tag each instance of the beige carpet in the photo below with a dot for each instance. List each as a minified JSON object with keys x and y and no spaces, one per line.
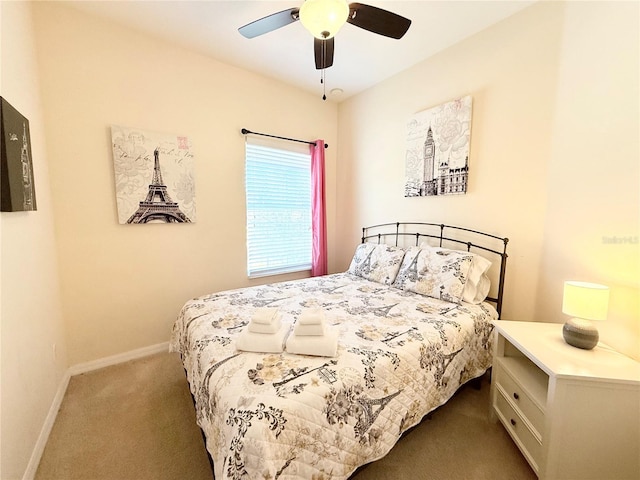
{"x":135,"y":421}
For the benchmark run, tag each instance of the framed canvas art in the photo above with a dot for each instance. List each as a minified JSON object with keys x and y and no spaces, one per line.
{"x":437,"y":157}
{"x":17,"y":187}
{"x":154,"y":176}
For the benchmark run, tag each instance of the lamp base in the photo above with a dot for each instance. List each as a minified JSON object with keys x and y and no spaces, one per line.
{"x":580,"y":333}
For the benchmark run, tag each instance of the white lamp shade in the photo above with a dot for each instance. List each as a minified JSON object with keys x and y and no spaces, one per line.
{"x":589,"y":301}
{"x":323,"y":18}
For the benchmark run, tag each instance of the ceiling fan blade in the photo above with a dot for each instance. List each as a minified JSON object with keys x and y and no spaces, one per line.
{"x":323,"y":50}
{"x":377,"y":20}
{"x":270,"y":23}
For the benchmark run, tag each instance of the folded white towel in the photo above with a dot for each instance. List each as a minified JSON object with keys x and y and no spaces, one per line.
{"x":264,"y":315}
{"x":272,"y":327}
{"x":314,"y":329}
{"x":311,"y":316}
{"x":321,"y":345}
{"x":262,"y":342}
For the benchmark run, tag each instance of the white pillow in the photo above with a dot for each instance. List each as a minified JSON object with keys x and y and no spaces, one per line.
{"x":481,"y":290}
{"x":477,"y":287}
{"x":478,"y":284}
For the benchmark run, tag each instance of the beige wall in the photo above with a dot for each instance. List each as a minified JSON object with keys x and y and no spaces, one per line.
{"x":594,"y":175}
{"x":123,"y":285}
{"x":30,"y":296}
{"x":510,"y":71}
{"x":555,"y":93}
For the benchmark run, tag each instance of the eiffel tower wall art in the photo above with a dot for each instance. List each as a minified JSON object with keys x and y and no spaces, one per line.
{"x":437,"y":157}
{"x":17,"y":189}
{"x":154,"y":174}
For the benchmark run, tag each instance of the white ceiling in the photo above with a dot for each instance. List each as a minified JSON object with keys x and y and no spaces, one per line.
{"x":361,"y":58}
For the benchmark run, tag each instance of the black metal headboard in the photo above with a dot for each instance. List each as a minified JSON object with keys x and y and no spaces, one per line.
{"x":446,"y":236}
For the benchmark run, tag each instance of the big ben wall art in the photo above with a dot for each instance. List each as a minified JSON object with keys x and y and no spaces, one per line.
{"x":154,"y":175}
{"x":17,"y":189}
{"x":437,"y":156}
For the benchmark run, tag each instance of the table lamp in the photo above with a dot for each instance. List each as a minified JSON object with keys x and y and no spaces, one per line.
{"x":584,"y":302}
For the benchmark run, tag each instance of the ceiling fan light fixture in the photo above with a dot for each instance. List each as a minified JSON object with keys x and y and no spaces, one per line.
{"x":323,"y":18}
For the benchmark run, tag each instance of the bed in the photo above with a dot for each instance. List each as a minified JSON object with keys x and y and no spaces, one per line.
{"x":413,"y":314}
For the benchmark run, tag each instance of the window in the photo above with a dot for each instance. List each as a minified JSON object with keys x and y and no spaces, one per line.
{"x":278,"y":189}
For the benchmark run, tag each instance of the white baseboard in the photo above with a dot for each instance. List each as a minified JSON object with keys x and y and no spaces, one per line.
{"x":119,"y":358}
{"x":50,"y":419}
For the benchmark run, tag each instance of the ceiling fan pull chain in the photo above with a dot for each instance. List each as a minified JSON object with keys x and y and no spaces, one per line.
{"x":324,"y":85}
{"x":324,"y":63}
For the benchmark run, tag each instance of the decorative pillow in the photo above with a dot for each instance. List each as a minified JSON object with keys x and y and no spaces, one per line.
{"x":477,"y":287}
{"x":435,"y":272}
{"x":377,"y":262}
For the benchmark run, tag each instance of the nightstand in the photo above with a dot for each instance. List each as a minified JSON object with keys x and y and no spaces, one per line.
{"x":574,"y":414}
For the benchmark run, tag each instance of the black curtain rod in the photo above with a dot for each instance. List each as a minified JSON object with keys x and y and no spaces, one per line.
{"x":249,"y":132}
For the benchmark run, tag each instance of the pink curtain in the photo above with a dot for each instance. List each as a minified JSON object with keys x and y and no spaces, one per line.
{"x":318,"y":215}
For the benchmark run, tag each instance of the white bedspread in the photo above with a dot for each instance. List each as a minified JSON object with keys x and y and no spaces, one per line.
{"x":400,"y":355}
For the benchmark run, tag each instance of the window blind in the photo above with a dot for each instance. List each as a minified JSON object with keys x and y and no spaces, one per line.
{"x":278,"y":192}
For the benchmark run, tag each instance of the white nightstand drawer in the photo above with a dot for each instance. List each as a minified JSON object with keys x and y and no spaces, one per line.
{"x":519,"y":397}
{"x":520,"y":432}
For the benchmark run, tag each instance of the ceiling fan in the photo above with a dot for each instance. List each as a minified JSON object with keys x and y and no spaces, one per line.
{"x":323,"y":18}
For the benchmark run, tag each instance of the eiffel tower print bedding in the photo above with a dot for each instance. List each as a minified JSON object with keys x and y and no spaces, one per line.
{"x":280,"y":415}
{"x":154,"y":176}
